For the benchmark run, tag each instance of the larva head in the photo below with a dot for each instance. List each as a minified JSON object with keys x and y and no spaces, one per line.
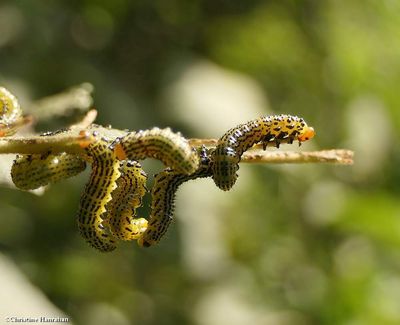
{"x":120,"y":152}
{"x":85,"y":139}
{"x":306,"y":134}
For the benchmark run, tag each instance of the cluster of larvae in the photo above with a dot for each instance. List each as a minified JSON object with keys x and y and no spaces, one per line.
{"x":117,"y":183}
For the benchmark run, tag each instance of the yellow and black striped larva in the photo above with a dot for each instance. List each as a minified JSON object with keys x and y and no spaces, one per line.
{"x":162,"y":144}
{"x":101,"y":220}
{"x":10,"y":113}
{"x":273,"y":130}
{"x":96,"y":195}
{"x":126,"y":198}
{"x":30,"y":172}
{"x":163,"y":193}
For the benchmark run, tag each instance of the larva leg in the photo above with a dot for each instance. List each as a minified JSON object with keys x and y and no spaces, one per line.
{"x":10,"y":113}
{"x":267,"y":130}
{"x":96,"y":195}
{"x":29,"y":172}
{"x":162,"y":144}
{"x":163,"y":193}
{"x":126,"y":198}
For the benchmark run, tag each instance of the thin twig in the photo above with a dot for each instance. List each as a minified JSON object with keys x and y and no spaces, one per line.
{"x":195,"y":142}
{"x":69,"y":140}
{"x":87,"y":120}
{"x":336,"y":156}
{"x":37,"y":144}
{"x":77,"y":98}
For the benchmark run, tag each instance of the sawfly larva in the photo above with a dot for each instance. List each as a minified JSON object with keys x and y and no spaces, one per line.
{"x":163,"y":193}
{"x":272,"y":130}
{"x":10,"y":113}
{"x":96,"y":195}
{"x":30,"y":172}
{"x":162,"y":144}
{"x":126,"y":198}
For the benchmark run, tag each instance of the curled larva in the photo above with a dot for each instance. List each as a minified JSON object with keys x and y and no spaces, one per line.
{"x":266,"y":130}
{"x":96,"y":195}
{"x":10,"y":113}
{"x":126,"y":198}
{"x":162,"y":144}
{"x":163,"y":193}
{"x":29,"y":172}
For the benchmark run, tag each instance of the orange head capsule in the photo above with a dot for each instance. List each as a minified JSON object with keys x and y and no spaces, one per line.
{"x":85,"y":139}
{"x":120,"y":152}
{"x":307,"y":134}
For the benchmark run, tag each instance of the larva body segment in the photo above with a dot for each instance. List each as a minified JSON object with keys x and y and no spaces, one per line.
{"x":273,"y":130}
{"x":126,"y":198}
{"x":30,"y":172}
{"x":163,"y":193}
{"x":96,"y":195}
{"x":10,"y":113}
{"x":162,"y":144}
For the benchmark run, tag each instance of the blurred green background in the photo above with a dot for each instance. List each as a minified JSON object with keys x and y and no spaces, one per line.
{"x":290,"y":244}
